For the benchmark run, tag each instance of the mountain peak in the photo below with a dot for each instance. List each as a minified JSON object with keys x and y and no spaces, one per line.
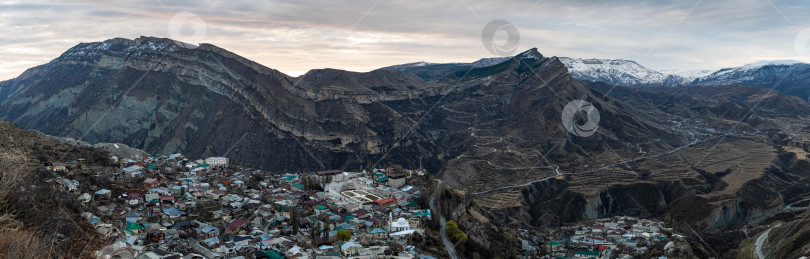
{"x":140,"y":43}
{"x":94,"y":50}
{"x":531,"y":53}
{"x":140,"y":40}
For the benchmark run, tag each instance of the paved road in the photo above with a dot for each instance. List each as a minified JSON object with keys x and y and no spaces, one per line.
{"x":760,"y":240}
{"x":451,"y":250}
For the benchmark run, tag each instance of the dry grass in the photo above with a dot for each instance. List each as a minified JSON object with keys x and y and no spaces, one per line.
{"x":35,"y":221}
{"x":16,"y":241}
{"x":800,"y":153}
{"x":499,"y":200}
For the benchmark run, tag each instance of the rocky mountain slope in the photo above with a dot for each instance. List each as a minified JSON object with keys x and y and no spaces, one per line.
{"x":154,"y":95}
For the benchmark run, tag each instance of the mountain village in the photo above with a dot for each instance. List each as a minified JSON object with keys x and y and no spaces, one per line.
{"x":173,"y":207}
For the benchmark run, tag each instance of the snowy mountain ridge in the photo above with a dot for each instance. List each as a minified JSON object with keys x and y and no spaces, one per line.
{"x":630,"y":73}
{"x":615,"y":71}
{"x":625,"y":72}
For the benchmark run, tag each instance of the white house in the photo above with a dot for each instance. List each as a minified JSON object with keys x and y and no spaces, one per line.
{"x":217,"y":161}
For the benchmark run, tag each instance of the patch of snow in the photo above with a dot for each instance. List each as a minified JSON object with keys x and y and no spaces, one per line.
{"x":615,"y":71}
{"x":769,"y":63}
{"x":485,"y":62}
{"x":690,"y":74}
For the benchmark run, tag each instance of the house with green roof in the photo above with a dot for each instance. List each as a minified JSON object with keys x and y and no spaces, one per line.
{"x":298,"y":187}
{"x":132,"y":229}
{"x":272,"y":254}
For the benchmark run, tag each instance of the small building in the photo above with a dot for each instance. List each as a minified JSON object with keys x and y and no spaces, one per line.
{"x":297,"y":187}
{"x":396,"y":180}
{"x":133,"y":170}
{"x":378,"y":233}
{"x":151,"y":183}
{"x":173,"y":212}
{"x":104,"y":193}
{"x":326,"y":176}
{"x":85,"y":197}
{"x":207,"y":231}
{"x":594,"y":240}
{"x":133,"y":217}
{"x":385,"y":202}
{"x":350,"y":248}
{"x":586,"y":254}
{"x":217,"y":161}
{"x":58,"y":167}
{"x":235,"y":226}
{"x":134,"y":198}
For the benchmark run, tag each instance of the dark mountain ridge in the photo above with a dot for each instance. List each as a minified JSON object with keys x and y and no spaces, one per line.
{"x":153,"y":94}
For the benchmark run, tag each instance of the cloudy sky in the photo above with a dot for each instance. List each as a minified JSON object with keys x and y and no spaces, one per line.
{"x":360,"y":35}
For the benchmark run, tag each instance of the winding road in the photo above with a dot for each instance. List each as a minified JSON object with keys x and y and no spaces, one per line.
{"x":695,"y":141}
{"x":451,"y":250}
{"x":760,"y":240}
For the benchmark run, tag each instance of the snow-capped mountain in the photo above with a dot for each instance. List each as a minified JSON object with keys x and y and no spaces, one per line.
{"x":786,"y":76}
{"x":614,"y":71}
{"x":749,"y":72}
{"x":789,"y":77}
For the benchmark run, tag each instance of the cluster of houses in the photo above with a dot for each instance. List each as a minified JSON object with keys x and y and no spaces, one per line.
{"x":617,"y":237}
{"x":173,"y":207}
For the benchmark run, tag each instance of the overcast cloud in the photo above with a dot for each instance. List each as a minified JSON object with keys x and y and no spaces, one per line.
{"x":361,"y":35}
